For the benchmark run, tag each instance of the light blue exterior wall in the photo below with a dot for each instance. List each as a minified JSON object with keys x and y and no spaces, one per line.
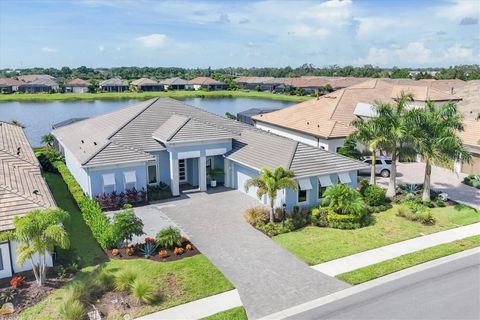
{"x":164,"y":166}
{"x":79,"y":173}
{"x":192,"y":171}
{"x":97,"y":180}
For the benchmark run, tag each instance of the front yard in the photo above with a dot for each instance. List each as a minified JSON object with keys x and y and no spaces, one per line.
{"x":315,"y":245}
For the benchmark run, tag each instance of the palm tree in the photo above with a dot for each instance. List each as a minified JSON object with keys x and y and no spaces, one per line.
{"x":270,"y":182}
{"x":434,"y":134}
{"x":38,"y":233}
{"x":368,"y":133}
{"x":17,"y":123}
{"x":48,"y":139}
{"x":394,"y":132}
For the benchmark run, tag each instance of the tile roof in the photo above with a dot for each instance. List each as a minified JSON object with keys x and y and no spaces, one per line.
{"x":129,"y":134}
{"x":78,"y":83}
{"x":41,"y":82}
{"x":471,"y":135}
{"x":32,"y":77}
{"x":330,"y":116}
{"x":20,"y":176}
{"x":10,"y":82}
{"x":470,"y":93}
{"x":144,"y":81}
{"x":205,"y":81}
{"x":113,"y":82}
{"x":174,"y":81}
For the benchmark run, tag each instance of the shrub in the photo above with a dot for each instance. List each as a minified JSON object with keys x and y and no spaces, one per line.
{"x":178,"y":251}
{"x":472,"y":180}
{"x":256,"y":214}
{"x":148,"y":249}
{"x":439,"y":202}
{"x":8,"y":295}
{"x":124,"y":280}
{"x":71,"y":309}
{"x":320,"y":217}
{"x":163,"y":253}
{"x":142,"y":291}
{"x":345,"y":200}
{"x":375,"y":196}
{"x":414,"y":211}
{"x":189,"y":247}
{"x":344,"y":221}
{"x":126,"y":224}
{"x":364,"y":184}
{"x":275,"y":228}
{"x":115,"y":252}
{"x":104,"y":281}
{"x":130,"y":251}
{"x":379,"y":208}
{"x":169,"y":237}
{"x":17,"y":281}
{"x":158,"y":192}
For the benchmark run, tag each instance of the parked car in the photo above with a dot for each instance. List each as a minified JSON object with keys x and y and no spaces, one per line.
{"x":383,"y":166}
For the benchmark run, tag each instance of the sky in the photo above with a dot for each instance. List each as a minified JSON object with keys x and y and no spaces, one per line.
{"x":108,"y":33}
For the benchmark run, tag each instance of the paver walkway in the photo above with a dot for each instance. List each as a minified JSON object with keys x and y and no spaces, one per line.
{"x":267,"y":277}
{"x":199,"y":308}
{"x":442,"y":180}
{"x":373,"y":256}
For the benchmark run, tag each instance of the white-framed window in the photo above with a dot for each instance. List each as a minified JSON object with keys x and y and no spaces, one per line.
{"x":108,"y":182}
{"x":152,"y":173}
{"x":303,"y":190}
{"x":130,"y":179}
{"x":323,"y":183}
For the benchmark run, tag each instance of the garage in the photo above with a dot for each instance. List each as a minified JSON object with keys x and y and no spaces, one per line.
{"x":472,"y":167}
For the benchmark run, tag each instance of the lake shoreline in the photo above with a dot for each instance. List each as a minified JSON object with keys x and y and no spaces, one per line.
{"x":45,"y":97}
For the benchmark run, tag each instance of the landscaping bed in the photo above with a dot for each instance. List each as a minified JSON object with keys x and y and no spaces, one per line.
{"x":472,"y":181}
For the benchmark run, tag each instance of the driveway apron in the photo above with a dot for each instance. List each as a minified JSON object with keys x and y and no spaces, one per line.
{"x":267,"y":276}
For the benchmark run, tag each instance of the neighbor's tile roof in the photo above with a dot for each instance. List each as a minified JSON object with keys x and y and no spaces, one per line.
{"x":471,"y":135}
{"x":470,"y":93}
{"x":33,"y":77}
{"x":330,"y":116}
{"x":19,"y":177}
{"x":78,"y":83}
{"x":41,"y":82}
{"x":113,"y":82}
{"x":129,"y":134}
{"x":174,"y":81}
{"x":10,"y":82}
{"x":144,"y":81}
{"x":205,"y":81}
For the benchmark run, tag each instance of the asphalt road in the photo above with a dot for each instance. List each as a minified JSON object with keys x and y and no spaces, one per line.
{"x":448,"y":291}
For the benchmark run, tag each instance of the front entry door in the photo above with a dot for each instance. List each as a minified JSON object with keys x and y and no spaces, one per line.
{"x":182,"y":170}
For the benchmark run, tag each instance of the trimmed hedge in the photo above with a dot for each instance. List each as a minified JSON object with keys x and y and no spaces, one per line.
{"x":344,"y":221}
{"x":93,"y":215}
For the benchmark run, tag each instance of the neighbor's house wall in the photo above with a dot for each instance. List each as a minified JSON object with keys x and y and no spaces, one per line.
{"x":9,"y":263}
{"x":79,"y":89}
{"x":327,"y":144}
{"x":79,"y":173}
{"x":96,"y":179}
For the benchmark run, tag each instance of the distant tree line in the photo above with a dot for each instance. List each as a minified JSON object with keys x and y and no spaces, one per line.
{"x":463,"y":72}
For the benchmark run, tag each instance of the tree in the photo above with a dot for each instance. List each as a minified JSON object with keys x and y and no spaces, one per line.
{"x":349,"y":149}
{"x":368,"y":132}
{"x":48,"y":139}
{"x":434,"y":135}
{"x":343,"y":199}
{"x":18,"y":123}
{"x":270,"y":182}
{"x":39,"y":232}
{"x":126,"y":224}
{"x":394,"y":132}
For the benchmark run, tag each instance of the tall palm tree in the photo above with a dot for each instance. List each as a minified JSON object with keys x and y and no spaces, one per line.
{"x":48,"y":139}
{"x":17,"y":123}
{"x":394,"y":132}
{"x":269,"y":182}
{"x":368,"y":133}
{"x":38,"y":233}
{"x":434,"y":134}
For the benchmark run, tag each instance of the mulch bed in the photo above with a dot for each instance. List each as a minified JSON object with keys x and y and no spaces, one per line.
{"x":138,"y":255}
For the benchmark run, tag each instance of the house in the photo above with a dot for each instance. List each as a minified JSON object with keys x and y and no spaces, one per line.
{"x":113,"y":85}
{"x":39,"y":85}
{"x":253,"y":83}
{"x":470,"y":94}
{"x":22,"y":189}
{"x":145,"y":84}
{"x":206,"y":83}
{"x":9,"y":85}
{"x":33,"y":77}
{"x":471,"y":140}
{"x":325,"y":121}
{"x":77,"y":86}
{"x":164,"y":140}
{"x":174,"y":83}
{"x":246,"y":116}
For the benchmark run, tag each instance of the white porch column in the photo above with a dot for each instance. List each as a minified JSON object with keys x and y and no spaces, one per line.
{"x":202,"y":173}
{"x":226,"y":172}
{"x":174,"y":178}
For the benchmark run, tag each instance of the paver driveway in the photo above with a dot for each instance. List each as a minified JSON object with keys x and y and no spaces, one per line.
{"x":268,"y":277}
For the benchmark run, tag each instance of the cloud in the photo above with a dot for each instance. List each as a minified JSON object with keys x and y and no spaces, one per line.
{"x":223,"y":18}
{"x":412,"y":53}
{"x":458,"y":9}
{"x":306,"y":31}
{"x":244,"y":21}
{"x":458,"y":53}
{"x":101,"y":48}
{"x":153,"y":40}
{"x":48,"y":50}
{"x":467,"y":21}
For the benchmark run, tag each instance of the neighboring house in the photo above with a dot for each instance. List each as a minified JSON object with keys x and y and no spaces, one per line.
{"x":471,"y":139}
{"x":113,"y":85}
{"x":67,"y":122}
{"x":246,"y":116}
{"x":77,"y":86}
{"x":174,"y":83}
{"x":164,"y":140}
{"x":325,"y":121}
{"x":254,"y":83}
{"x":470,"y":93}
{"x":145,"y":84}
{"x":39,"y":85}
{"x":22,"y":189}
{"x":206,"y":83}
{"x":8,"y":85}
{"x":33,"y":77}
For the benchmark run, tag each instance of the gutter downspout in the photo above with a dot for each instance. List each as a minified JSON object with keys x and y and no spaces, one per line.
{"x":11,"y":260}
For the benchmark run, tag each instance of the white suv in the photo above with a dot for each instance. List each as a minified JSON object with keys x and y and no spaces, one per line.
{"x":383,"y":166}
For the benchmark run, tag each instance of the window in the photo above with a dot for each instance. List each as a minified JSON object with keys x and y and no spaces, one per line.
{"x":388,"y":161}
{"x":378,"y":161}
{"x":321,"y":190}
{"x":323,"y":183}
{"x":130,"y":179}
{"x":304,"y":185}
{"x":368,"y":161}
{"x":182,"y":170}
{"x":302,"y":195}
{"x":108,"y":182}
{"x":152,"y":173}
{"x":344,"y":178}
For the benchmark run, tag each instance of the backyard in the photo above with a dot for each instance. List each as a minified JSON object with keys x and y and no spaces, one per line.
{"x":315,"y":245}
{"x":173,"y":283}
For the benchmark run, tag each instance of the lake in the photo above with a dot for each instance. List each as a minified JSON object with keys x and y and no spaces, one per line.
{"x":38,"y":117}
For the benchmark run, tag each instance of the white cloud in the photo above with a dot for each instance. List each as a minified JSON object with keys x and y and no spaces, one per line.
{"x":333,"y":11}
{"x":306,"y":31}
{"x":48,"y":50}
{"x":459,"y":54}
{"x":412,"y":53}
{"x":152,"y":40}
{"x":459,"y":9}
{"x":101,"y":48}
{"x":374,"y":25}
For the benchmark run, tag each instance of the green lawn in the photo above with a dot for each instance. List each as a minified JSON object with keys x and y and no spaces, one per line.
{"x":178,"y":282}
{"x":316,"y":245}
{"x":408,"y":260}
{"x":237,"y":313}
{"x":148,"y":95}
{"x":83,"y":247}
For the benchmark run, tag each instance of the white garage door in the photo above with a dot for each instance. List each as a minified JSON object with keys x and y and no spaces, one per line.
{"x":241,"y":179}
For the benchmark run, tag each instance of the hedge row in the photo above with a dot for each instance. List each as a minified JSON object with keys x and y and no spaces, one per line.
{"x":93,"y":215}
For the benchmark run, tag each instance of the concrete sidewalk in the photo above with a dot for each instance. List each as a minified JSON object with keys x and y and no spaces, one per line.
{"x":199,"y":308}
{"x":366,"y":258}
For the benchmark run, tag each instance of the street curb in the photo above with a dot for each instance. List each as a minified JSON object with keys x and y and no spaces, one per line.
{"x":367,"y":285}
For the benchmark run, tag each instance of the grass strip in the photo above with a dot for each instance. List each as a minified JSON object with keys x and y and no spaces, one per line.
{"x":408,"y":260}
{"x":237,"y":313}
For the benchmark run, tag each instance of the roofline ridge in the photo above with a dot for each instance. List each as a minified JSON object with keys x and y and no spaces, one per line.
{"x":185,"y":121}
{"x":336,"y":104}
{"x":294,"y":151}
{"x":12,"y":191}
{"x":35,"y":164}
